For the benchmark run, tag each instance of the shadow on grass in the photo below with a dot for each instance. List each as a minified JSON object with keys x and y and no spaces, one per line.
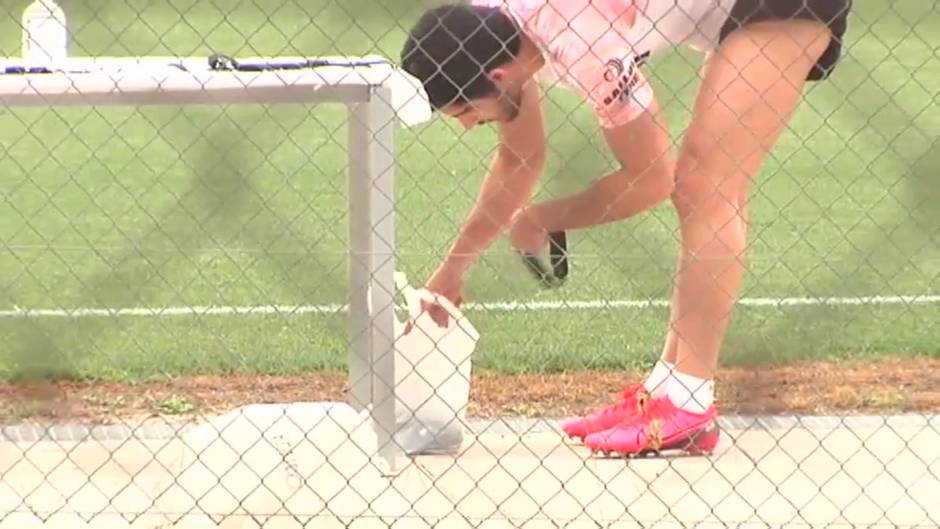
{"x":891,"y":248}
{"x":220,"y":209}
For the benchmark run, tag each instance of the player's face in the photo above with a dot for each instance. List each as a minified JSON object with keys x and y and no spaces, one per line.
{"x":500,"y":108}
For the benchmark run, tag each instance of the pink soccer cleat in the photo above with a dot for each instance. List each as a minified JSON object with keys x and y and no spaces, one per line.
{"x":662,"y":428}
{"x":632,"y":402}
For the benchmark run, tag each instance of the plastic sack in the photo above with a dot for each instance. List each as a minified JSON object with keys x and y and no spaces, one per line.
{"x":432,"y":374}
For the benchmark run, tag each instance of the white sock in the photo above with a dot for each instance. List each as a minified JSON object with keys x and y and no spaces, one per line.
{"x":657,"y":383}
{"x":692,"y":394}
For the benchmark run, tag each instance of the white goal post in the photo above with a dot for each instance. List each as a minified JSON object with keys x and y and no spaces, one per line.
{"x":378,"y":96}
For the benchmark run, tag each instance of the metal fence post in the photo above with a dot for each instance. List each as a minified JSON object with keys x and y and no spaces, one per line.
{"x":372,"y":264}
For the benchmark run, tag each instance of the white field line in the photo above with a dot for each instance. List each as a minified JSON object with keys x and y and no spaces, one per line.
{"x":497,"y":306}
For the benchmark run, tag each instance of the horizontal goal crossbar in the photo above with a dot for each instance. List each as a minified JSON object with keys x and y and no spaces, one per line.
{"x":140,"y":81}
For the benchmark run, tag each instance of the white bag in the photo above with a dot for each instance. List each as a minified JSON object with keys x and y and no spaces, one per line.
{"x":432,"y":375}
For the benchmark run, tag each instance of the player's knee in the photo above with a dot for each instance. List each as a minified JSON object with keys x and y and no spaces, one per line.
{"x":718,"y":204}
{"x":707,"y":177}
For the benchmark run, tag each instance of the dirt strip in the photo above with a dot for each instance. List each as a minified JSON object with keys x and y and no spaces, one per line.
{"x":889,"y":386}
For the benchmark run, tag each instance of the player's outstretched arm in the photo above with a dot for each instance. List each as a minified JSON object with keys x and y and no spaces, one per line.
{"x":510,"y":180}
{"x":645,"y":179}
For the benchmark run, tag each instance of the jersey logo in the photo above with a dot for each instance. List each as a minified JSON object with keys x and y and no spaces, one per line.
{"x":626,"y":80}
{"x":613,"y":70}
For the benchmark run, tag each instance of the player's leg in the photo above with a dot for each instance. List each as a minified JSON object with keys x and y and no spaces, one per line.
{"x":751,"y":87}
{"x":656,"y":383}
{"x":834,"y":13}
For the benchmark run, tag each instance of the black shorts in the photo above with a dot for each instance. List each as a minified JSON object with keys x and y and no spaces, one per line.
{"x":833,"y":13}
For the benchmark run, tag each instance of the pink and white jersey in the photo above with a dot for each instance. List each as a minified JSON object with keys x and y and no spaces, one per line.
{"x":596,"y":47}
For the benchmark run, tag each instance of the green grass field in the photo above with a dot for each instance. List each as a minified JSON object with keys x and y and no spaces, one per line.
{"x":161,"y":207}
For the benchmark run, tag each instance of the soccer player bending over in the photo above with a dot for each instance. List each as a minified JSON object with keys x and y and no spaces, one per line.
{"x":479,"y":63}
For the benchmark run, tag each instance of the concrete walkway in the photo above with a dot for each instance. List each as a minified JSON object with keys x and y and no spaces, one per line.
{"x":804,"y":472}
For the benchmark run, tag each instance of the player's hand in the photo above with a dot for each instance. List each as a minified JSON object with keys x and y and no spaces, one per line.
{"x":527,"y":234}
{"x":446,"y":282}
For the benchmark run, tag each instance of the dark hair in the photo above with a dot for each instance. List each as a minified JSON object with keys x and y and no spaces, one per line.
{"x":451,"y":48}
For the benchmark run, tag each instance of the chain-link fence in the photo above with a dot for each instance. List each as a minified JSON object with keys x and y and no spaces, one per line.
{"x":681,"y":287}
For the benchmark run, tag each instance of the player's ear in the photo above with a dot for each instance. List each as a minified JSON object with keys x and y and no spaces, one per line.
{"x":498,"y":75}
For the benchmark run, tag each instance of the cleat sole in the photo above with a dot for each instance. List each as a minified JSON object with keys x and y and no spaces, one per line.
{"x":700,"y":443}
